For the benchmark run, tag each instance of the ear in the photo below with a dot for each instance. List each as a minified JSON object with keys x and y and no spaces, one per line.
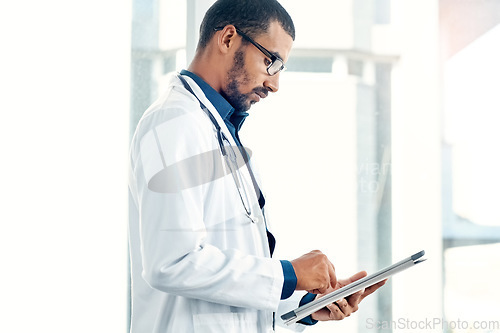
{"x":226,"y":38}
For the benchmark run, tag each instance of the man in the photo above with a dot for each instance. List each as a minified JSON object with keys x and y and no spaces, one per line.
{"x":200,"y":245}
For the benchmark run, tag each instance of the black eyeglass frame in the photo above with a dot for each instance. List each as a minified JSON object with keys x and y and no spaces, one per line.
{"x":274,"y":58}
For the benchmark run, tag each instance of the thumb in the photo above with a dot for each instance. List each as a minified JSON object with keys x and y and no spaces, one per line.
{"x":355,"y":277}
{"x":358,"y":276}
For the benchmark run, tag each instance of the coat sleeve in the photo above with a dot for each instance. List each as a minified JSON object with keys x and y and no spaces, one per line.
{"x":170,"y":198}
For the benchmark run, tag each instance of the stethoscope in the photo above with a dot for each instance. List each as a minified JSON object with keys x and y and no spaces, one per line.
{"x":229,"y":156}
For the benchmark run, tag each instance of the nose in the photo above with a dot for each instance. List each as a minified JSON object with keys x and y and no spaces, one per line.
{"x":272,"y":83}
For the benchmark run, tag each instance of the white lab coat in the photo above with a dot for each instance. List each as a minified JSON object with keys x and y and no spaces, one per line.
{"x":198,"y":263}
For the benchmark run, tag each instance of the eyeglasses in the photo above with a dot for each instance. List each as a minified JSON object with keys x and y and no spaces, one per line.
{"x":277,"y":65}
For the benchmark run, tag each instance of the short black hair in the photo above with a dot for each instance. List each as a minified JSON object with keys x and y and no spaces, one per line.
{"x":253,"y":17}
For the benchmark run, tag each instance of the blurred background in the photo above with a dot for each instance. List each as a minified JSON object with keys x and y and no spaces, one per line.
{"x":380,"y":143}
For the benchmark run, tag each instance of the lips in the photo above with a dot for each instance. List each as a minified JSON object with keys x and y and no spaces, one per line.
{"x":260,"y":95}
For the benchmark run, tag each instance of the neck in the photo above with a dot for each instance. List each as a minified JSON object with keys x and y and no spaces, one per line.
{"x":209,"y":69}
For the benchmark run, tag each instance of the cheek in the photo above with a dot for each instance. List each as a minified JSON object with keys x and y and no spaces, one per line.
{"x":255,"y":70}
{"x":246,"y":82}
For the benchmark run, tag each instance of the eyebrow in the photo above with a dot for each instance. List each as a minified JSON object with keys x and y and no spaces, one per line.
{"x":274,"y":53}
{"x":277,"y":54}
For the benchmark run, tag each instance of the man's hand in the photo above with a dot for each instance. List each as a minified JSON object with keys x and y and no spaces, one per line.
{"x":315,"y":273}
{"x":344,"y":307}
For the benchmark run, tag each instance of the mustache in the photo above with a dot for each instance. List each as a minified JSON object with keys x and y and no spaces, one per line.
{"x":261,"y":91}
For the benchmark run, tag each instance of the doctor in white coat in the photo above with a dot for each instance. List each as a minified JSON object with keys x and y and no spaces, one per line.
{"x":201,"y":249}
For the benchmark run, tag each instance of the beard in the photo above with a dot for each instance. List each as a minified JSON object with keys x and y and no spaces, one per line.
{"x":238,"y":76}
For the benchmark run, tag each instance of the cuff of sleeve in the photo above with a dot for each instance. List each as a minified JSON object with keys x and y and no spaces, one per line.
{"x":306,"y":299}
{"x":290,"y":281}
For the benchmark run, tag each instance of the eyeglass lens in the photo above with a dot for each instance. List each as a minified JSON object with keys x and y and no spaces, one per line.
{"x":275,"y":67}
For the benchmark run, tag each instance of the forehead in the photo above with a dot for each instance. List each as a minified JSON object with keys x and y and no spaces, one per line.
{"x":276,"y":40}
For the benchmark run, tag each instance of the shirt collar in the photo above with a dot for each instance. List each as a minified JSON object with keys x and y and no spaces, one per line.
{"x":220,"y":103}
{"x":233,"y":119}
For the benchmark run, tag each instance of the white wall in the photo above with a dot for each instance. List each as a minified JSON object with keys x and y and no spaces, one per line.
{"x":416,"y":137}
{"x":63,"y":140}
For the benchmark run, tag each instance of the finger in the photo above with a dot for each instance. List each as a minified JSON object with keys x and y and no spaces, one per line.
{"x":333,"y":277}
{"x":355,"y":298}
{"x":371,"y":289}
{"x":341,"y":303}
{"x":335,"y":312}
{"x":355,"y":277}
{"x":331,"y":282}
{"x":344,"y":306}
{"x":322,"y":289}
{"x":317,"y":291}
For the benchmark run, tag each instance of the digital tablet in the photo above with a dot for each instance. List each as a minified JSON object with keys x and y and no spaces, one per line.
{"x":305,"y":310}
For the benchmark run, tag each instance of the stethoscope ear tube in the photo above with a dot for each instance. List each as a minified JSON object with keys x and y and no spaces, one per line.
{"x":220,"y":137}
{"x":221,"y":142}
{"x":230,"y":158}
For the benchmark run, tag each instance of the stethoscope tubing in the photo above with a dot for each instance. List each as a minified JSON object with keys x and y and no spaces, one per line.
{"x":230,"y":158}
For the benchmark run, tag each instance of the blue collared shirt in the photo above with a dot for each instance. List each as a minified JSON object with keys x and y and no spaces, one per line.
{"x":233,"y":120}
